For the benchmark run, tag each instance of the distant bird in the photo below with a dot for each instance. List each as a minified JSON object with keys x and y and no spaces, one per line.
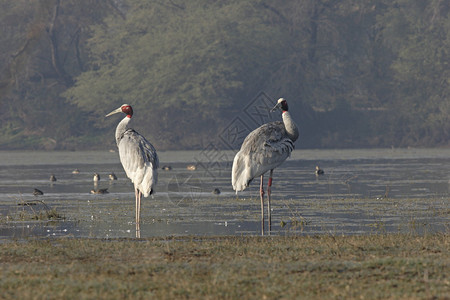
{"x":191,"y":167}
{"x":138,"y":158}
{"x":38,"y":192}
{"x":52,"y":178}
{"x":96,"y":177}
{"x":112,"y":176}
{"x":166,"y":168}
{"x":264,"y":149}
{"x":76,"y":171}
{"x":99,"y":191}
{"x":216,"y":191}
{"x":319,"y":171}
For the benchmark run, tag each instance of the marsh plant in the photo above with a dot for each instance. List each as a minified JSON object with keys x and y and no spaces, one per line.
{"x":34,"y":210}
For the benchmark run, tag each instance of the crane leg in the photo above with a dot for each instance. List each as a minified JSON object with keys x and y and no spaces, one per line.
{"x":135,"y":202}
{"x":138,"y":194}
{"x":139,"y":206}
{"x":261,"y":193}
{"x":138,"y":231}
{"x":269,"y":192}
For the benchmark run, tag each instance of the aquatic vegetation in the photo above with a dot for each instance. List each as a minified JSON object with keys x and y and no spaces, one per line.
{"x":33,"y":210}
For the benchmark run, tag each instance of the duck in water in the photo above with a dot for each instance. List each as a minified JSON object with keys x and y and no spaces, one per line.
{"x":99,"y":191}
{"x":319,"y":171}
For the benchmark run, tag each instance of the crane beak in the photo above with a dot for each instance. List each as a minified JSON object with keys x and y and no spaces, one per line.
{"x":277,"y":106}
{"x":114,"y":112}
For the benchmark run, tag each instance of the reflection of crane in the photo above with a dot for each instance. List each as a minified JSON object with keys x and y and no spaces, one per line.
{"x":264,"y":149}
{"x":138,"y":158}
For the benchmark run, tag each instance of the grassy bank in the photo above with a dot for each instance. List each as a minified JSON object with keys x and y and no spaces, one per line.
{"x":370,"y":267}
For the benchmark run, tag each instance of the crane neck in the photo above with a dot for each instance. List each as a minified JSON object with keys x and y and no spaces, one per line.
{"x":289,"y":124}
{"x":122,"y":127}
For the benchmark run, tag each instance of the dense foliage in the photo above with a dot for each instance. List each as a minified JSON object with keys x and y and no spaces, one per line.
{"x":357,"y":73}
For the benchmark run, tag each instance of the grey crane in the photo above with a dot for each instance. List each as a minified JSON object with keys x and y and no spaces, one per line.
{"x":138,"y":158}
{"x":264,"y":149}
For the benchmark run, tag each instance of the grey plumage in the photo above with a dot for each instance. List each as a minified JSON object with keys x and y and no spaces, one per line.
{"x":138,"y":158}
{"x":264,"y":149}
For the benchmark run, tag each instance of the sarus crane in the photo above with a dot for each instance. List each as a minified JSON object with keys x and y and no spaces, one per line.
{"x":138,"y":158}
{"x":264,"y":149}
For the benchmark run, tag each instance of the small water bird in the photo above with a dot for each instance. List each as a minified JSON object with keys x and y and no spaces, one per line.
{"x":38,"y":192}
{"x":99,"y":191}
{"x":319,"y":171}
{"x":138,"y":158}
{"x":112,"y":176}
{"x":96,"y":177}
{"x":166,"y":168}
{"x":191,"y":167}
{"x":216,"y":191}
{"x":264,"y":149}
{"x":52,"y":178}
{"x":76,"y":171}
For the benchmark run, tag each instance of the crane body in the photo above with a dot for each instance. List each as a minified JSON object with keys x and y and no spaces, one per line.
{"x":264,"y":149}
{"x":138,"y":157}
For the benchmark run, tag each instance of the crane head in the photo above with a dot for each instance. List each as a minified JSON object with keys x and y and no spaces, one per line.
{"x":281,"y":104}
{"x":125,"y":108}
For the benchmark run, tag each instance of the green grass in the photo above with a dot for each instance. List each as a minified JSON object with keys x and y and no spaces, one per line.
{"x":380,"y":266}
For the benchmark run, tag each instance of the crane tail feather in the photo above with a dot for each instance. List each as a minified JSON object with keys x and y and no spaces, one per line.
{"x":240,"y":173}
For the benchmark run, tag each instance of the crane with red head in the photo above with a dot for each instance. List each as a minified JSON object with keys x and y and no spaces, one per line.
{"x":138,"y":157}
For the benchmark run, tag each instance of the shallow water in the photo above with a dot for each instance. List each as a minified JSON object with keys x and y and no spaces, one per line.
{"x":362,"y":192}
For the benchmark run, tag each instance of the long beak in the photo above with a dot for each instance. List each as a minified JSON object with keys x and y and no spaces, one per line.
{"x":277,"y":106}
{"x":114,"y":112}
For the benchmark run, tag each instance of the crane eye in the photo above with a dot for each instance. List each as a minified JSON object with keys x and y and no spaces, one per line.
{"x":128,"y":110}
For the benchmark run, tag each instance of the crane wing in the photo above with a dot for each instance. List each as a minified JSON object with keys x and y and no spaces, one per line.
{"x":267,"y":142}
{"x":139,"y":160}
{"x":265,"y":148}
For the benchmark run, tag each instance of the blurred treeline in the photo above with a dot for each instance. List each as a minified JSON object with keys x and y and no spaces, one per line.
{"x":356,"y":73}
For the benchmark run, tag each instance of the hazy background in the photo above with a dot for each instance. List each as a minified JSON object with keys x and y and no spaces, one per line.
{"x":356,"y":73}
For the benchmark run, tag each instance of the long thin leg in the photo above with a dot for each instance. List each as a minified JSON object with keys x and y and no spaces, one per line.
{"x":139,"y":207}
{"x":138,"y":231}
{"x":261,"y":193}
{"x":269,"y":192}
{"x":137,"y":195}
{"x":136,"y":203}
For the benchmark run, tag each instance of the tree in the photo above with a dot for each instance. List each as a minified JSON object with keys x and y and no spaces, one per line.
{"x":418,"y":32}
{"x":179,"y":62}
{"x":41,"y":53}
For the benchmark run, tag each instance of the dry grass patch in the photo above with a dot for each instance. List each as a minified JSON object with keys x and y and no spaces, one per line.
{"x":374,"y":266}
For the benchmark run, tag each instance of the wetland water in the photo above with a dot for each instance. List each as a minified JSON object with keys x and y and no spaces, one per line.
{"x":361,"y":192}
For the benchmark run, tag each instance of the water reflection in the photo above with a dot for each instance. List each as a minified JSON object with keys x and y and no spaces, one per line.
{"x":361,"y":192}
